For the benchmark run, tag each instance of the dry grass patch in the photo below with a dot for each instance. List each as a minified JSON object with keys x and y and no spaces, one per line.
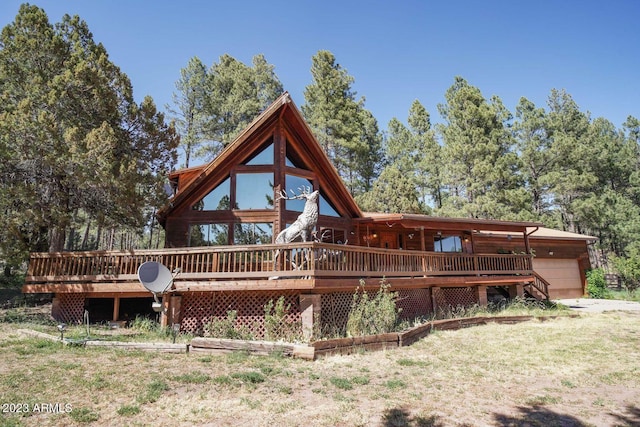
{"x":568,"y":371}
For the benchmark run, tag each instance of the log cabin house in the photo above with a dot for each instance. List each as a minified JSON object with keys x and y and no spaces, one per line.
{"x":222,"y":220}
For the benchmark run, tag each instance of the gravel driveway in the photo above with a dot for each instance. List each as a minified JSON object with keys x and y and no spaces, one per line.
{"x":599,"y":305}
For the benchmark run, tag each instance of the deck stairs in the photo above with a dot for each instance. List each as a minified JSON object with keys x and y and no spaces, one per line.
{"x":538,"y":288}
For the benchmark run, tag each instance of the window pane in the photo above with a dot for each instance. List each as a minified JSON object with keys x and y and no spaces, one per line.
{"x":252,"y":233}
{"x":208,"y":234}
{"x":448,"y":244}
{"x":294,"y":185}
{"x":217,"y":199}
{"x":326,"y":208}
{"x":265,"y":157}
{"x":254,"y":191}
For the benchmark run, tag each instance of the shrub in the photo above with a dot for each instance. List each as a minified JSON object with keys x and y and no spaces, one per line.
{"x":377,"y":315}
{"x":276,"y":324}
{"x":144,"y":324}
{"x":226,"y":328}
{"x":596,"y":284}
{"x":629,"y":269}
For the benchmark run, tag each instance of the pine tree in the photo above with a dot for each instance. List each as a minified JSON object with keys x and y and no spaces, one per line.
{"x":344,"y":129}
{"x":188,"y":107}
{"x":235,"y":95}
{"x":481,"y":174}
{"x":72,"y":138}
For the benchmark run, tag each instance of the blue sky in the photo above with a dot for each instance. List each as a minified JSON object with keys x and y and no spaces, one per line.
{"x":397,"y":51}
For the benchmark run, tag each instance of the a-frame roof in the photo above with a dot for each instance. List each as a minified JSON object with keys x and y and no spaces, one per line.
{"x":284,"y":111}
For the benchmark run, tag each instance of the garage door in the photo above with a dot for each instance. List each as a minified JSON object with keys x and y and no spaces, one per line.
{"x":562,"y":274}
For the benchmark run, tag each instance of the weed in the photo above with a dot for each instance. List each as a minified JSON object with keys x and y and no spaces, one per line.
{"x":360,"y":380}
{"x":192,"y":378}
{"x":341,"y":383}
{"x":251,"y":403}
{"x":228,"y":327}
{"x":277,"y":325}
{"x":285,"y":389}
{"x":542,"y":400}
{"x":395,"y":384}
{"x":84,"y":415}
{"x":373,"y":315}
{"x":128,"y":410}
{"x":144,"y":324}
{"x":153,"y":391}
{"x":205,"y":359}
{"x":239,"y":356}
{"x":409,"y":362}
{"x":223,"y":380}
{"x":251,"y":377}
{"x":568,"y":384}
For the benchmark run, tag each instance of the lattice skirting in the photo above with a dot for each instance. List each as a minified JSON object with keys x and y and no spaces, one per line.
{"x":414,"y":303}
{"x":336,"y":307}
{"x":68,"y":308}
{"x":334,"y":314}
{"x":200,"y":308}
{"x":450,"y":298}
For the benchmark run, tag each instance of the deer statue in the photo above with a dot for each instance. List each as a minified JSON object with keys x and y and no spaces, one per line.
{"x":302,"y":228}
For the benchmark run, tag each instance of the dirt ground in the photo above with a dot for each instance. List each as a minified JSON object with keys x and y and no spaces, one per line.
{"x":566,"y":372}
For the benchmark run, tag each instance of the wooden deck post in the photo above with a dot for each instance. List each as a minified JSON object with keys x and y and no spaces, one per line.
{"x":165,"y":310}
{"x":434,"y":300}
{"x":116,"y":308}
{"x":481,"y":295}
{"x":175,"y":310}
{"x":516,"y":291}
{"x":310,"y":308}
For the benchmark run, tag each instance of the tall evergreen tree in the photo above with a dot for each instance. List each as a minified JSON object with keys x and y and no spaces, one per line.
{"x":72,"y":137}
{"x":429,"y":158}
{"x":188,"y":107}
{"x":571,"y":178}
{"x":235,"y":95}
{"x":346,"y":132}
{"x":537,"y":159}
{"x":481,"y":175}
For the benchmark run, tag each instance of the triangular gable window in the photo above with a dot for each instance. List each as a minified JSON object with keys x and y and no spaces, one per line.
{"x":326,"y":208}
{"x":294,"y":185}
{"x":218,"y":199}
{"x":293,"y":160}
{"x":264,"y":157}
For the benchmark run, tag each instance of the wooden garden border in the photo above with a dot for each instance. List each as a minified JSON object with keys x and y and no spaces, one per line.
{"x":312,"y":350}
{"x":353,"y":345}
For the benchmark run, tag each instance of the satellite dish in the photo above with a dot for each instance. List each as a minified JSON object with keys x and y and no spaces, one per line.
{"x":155,"y":277}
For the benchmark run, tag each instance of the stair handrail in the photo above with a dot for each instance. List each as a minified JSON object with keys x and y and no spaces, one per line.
{"x":541,"y":284}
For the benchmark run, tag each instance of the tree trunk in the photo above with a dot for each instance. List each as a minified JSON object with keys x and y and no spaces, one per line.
{"x":56,"y":238}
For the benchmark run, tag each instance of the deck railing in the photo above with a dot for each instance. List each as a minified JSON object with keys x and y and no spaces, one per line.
{"x":268,"y":261}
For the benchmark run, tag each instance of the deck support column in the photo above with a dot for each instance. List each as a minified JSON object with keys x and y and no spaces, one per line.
{"x":310,"y":308}
{"x":516,"y":291}
{"x":175,"y":310}
{"x":435,"y":290}
{"x":164,"y":318}
{"x":481,"y":295}
{"x":116,"y":308}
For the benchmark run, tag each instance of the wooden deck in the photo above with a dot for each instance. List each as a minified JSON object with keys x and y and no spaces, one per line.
{"x":260,"y":267}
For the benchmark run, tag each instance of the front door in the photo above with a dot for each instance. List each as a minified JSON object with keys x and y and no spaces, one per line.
{"x":389,"y":240}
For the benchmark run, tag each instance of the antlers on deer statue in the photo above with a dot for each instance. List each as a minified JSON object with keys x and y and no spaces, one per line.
{"x":302,"y":228}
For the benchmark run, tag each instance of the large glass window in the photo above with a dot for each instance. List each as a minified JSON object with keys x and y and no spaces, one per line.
{"x":208,"y":234}
{"x":265,"y":157}
{"x":253,"y":233}
{"x":254,"y":191}
{"x":294,"y":185}
{"x":326,"y":208}
{"x":447,"y":244}
{"x":217,"y":199}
